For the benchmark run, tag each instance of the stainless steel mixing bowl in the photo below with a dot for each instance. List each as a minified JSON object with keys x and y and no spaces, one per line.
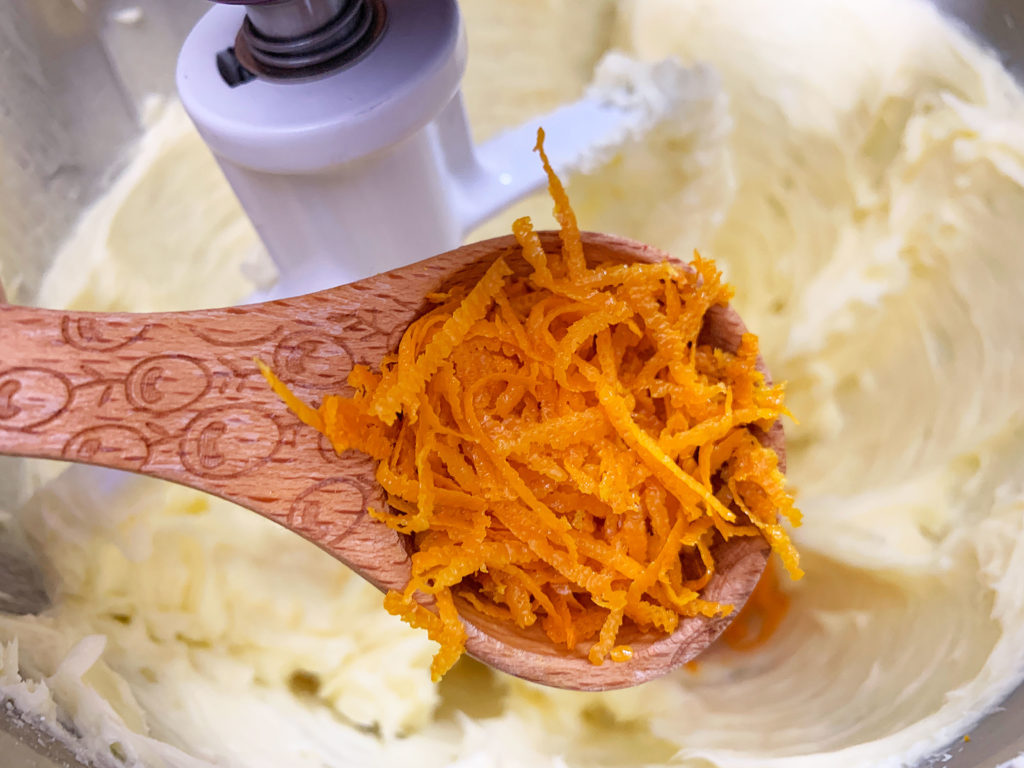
{"x":72,"y":77}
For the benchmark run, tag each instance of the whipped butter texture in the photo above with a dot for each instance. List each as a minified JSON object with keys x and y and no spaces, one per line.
{"x":861,"y":182}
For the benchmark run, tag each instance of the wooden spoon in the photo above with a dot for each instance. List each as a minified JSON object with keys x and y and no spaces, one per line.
{"x":178,"y":396}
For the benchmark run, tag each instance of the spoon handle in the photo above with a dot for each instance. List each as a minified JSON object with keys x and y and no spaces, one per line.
{"x":179,"y":397}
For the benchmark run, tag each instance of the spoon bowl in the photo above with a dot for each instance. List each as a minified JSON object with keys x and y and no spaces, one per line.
{"x":178,"y":396}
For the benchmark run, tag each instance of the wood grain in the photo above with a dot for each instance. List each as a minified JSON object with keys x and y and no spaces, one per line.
{"x":178,"y":396}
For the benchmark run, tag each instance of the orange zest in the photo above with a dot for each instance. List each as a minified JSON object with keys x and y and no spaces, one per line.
{"x":565,"y":448}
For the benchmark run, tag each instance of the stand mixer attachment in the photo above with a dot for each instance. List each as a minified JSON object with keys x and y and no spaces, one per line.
{"x":301,"y":38}
{"x":341,"y":128}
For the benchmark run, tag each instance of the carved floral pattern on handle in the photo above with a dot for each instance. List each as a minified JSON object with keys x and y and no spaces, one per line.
{"x":178,"y":396}
{"x":31,"y":397}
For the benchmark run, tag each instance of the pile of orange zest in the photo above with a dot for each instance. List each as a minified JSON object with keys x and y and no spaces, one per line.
{"x":565,"y":449}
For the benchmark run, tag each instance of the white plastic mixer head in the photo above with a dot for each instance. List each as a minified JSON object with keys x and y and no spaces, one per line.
{"x":329,"y":151}
{"x":340,"y":125}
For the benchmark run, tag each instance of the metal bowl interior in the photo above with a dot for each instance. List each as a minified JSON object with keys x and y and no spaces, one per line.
{"x":113,"y":67}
